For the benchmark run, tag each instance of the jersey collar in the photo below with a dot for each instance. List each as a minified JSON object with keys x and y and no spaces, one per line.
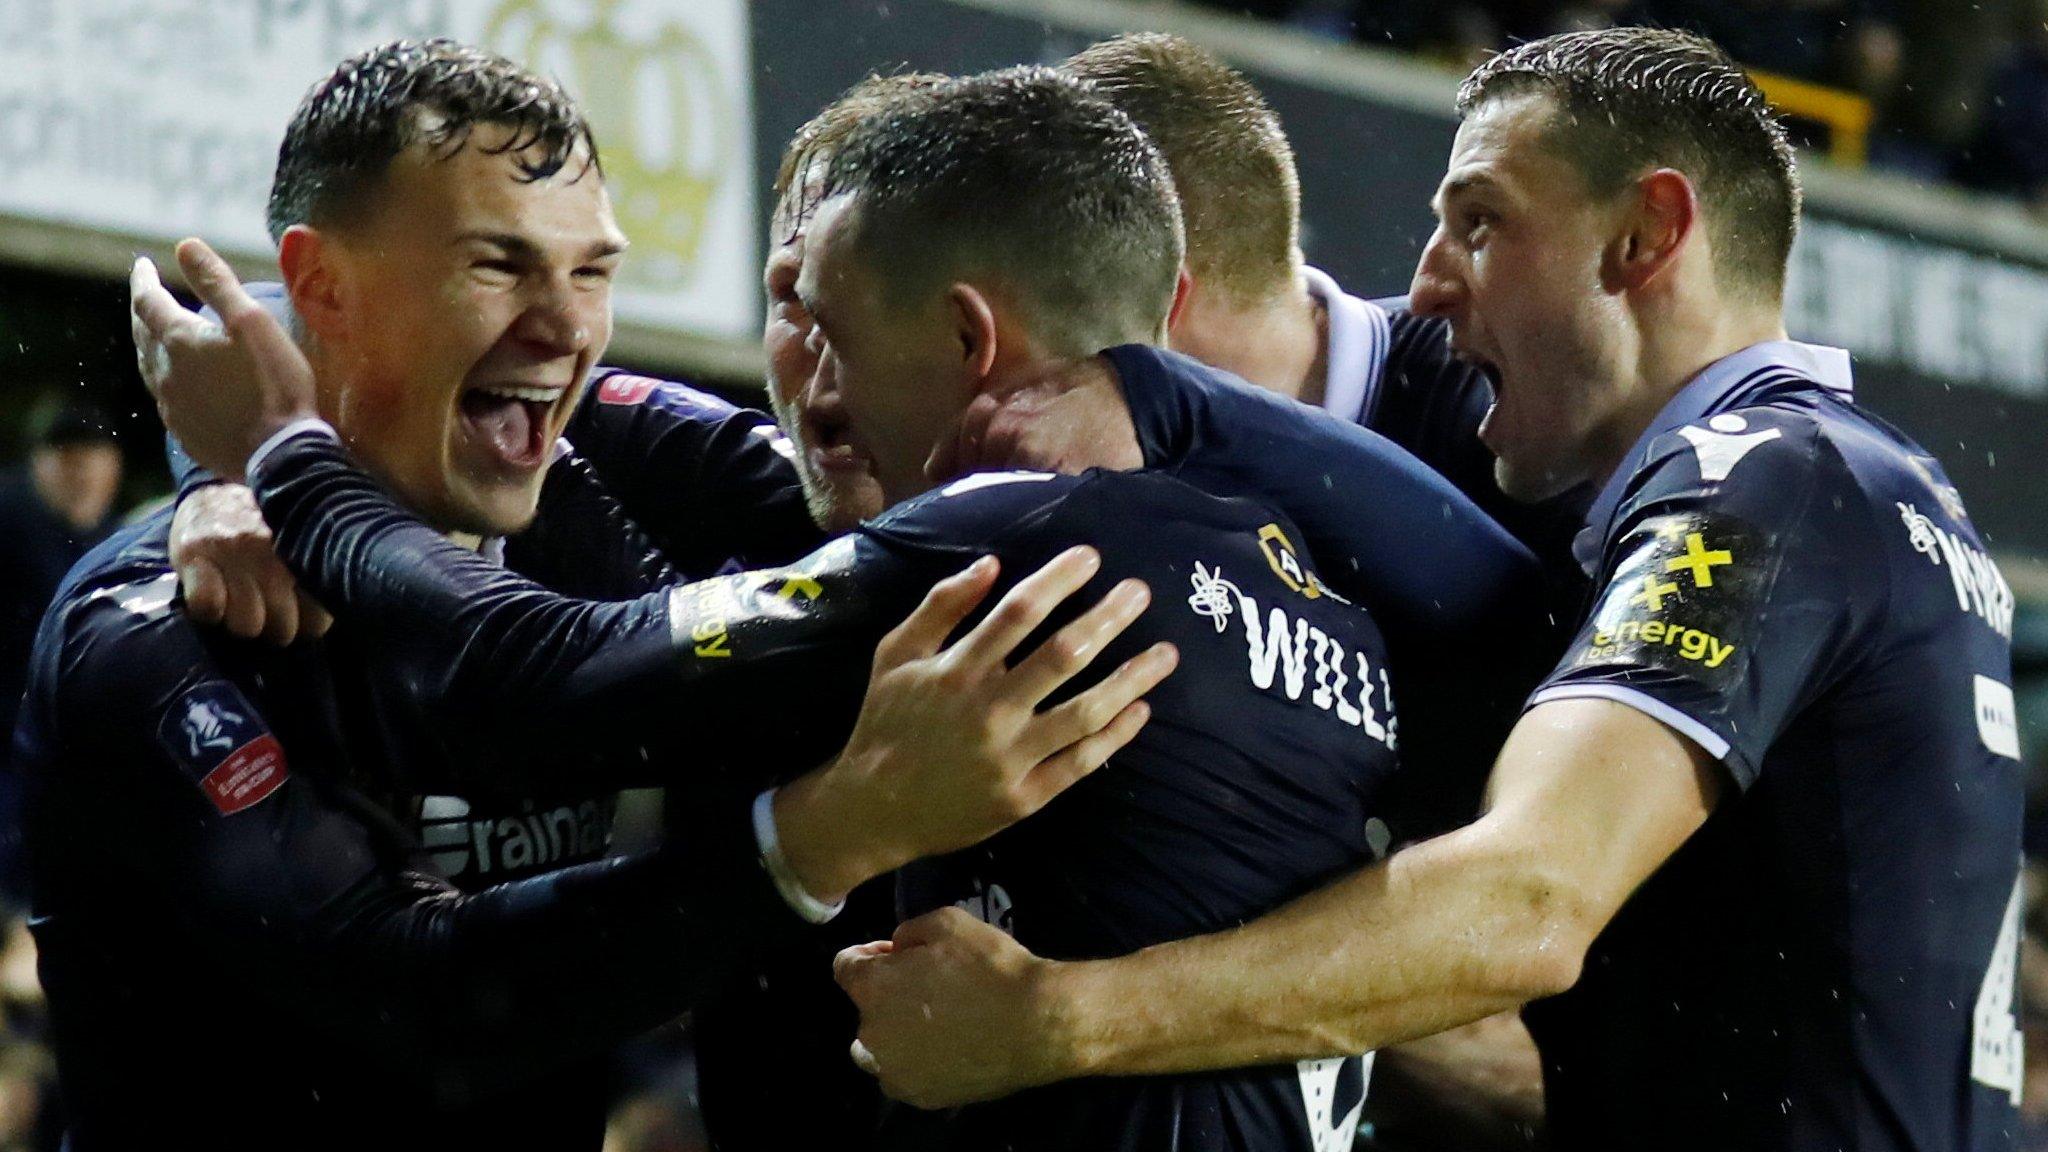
{"x":1359,"y":332}
{"x":1724,"y":384}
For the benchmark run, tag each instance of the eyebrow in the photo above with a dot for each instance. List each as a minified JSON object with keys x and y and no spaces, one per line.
{"x":520,"y":248}
{"x":1461,"y":184}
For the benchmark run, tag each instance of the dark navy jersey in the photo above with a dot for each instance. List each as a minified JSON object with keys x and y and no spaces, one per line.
{"x":712,"y":483}
{"x":1830,"y":961}
{"x":1462,"y":604}
{"x":1253,"y":783}
{"x":245,"y":944}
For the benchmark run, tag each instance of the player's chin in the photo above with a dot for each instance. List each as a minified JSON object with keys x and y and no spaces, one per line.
{"x":1528,"y":481}
{"x":840,"y":502}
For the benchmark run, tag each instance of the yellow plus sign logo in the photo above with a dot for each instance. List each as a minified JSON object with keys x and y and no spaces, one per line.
{"x":795,"y":586}
{"x":1700,"y":560}
{"x":1653,"y":593}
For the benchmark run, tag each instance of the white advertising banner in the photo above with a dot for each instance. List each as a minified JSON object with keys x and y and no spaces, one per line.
{"x":161,"y":119}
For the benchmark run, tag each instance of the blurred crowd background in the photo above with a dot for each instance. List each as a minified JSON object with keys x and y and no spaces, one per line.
{"x":1954,"y":90}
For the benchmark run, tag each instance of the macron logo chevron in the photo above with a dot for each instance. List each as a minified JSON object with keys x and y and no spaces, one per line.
{"x":1721,"y":444}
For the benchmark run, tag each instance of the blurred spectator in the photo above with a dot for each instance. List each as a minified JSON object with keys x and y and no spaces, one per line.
{"x":2010,"y":153}
{"x":53,"y":508}
{"x":1968,"y":101}
{"x":1825,"y":41}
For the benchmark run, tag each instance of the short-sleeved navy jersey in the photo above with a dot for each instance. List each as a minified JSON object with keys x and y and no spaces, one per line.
{"x":1252,"y":783}
{"x":1830,"y":962}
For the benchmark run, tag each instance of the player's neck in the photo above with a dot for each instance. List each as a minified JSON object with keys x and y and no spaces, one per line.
{"x":1677,"y":346}
{"x":1673,"y":349}
{"x":1281,"y":345}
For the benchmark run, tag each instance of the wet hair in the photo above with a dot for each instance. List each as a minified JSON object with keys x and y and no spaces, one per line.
{"x":822,"y":134}
{"x":1240,"y":199}
{"x":379,"y":102}
{"x":1022,"y":178}
{"x":1632,"y":99}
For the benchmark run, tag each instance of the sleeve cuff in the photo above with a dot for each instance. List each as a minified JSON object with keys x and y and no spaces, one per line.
{"x":1708,"y":740}
{"x":787,"y":885}
{"x":309,"y":425}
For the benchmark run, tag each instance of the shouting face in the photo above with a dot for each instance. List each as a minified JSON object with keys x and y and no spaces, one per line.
{"x":469,"y":305}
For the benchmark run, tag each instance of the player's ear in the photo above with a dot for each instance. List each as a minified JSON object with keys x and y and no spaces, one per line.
{"x":974,"y":324}
{"x":1183,"y":288}
{"x":1659,"y":215}
{"x":313,"y":279}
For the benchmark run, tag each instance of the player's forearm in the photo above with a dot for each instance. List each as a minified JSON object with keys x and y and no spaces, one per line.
{"x":473,"y":640}
{"x":1447,"y":932}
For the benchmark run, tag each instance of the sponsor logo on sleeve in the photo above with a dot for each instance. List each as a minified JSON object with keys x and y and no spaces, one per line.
{"x":703,"y":616}
{"x":1294,"y":659}
{"x":216,"y":734}
{"x":149,"y":599}
{"x":776,"y":440}
{"x":626,"y":389}
{"x":1682,"y":599}
{"x":1980,"y":587}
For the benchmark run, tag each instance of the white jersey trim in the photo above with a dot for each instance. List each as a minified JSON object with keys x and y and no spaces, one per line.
{"x":1642,"y":702}
{"x":1360,"y":334}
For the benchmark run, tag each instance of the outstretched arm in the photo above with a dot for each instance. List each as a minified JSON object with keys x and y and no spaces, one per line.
{"x":1588,"y":799}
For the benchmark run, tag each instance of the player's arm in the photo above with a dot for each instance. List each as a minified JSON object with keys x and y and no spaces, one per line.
{"x":709,"y":481}
{"x":515,"y":661}
{"x":1589,"y":798}
{"x":1384,"y":528}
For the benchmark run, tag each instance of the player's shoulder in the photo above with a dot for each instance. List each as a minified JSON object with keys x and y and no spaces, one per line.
{"x":1764,"y":458}
{"x":115,"y":623}
{"x":618,"y":388}
{"x":1800,"y":452}
{"x":127,"y":575}
{"x":976,"y":508}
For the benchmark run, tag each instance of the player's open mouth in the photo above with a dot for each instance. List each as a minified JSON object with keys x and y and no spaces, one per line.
{"x":1491,"y":371}
{"x":511,"y":421}
{"x":829,"y":450}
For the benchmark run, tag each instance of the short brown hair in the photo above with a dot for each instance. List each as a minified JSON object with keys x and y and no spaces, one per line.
{"x":351,"y":125}
{"x":1240,"y":198}
{"x":1026,"y":177}
{"x":822,"y":134}
{"x":1632,"y":99}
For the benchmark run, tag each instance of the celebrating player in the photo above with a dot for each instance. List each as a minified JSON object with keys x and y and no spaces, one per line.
{"x":1752,"y":851}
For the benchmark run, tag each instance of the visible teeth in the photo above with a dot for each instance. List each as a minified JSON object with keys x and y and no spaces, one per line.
{"x":539,"y":394}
